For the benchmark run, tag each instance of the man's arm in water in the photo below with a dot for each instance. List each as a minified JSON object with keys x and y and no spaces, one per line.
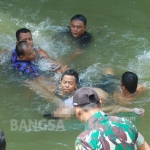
{"x":66,"y":111}
{"x":44,"y":87}
{"x":73,"y":56}
{"x":117,"y":109}
{"x":55,"y":66}
{"x":141,"y":89}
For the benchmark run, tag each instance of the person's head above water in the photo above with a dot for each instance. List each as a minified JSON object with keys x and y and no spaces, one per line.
{"x":2,"y":141}
{"x":78,"y":25}
{"x":86,"y":100}
{"x":130,"y":81}
{"x":24,"y":34}
{"x":25,"y":51}
{"x":69,"y":81}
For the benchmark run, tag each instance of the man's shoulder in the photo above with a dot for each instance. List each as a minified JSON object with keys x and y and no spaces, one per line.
{"x":22,"y":64}
{"x":101,"y":125}
{"x":84,"y":40}
{"x":14,"y":56}
{"x":141,"y":88}
{"x":27,"y":67}
{"x":14,"y":51}
{"x":86,"y":35}
{"x":120,"y":121}
{"x":123,"y":127}
{"x":111,"y":127}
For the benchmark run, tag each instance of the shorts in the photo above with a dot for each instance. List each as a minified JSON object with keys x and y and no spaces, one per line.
{"x":108,"y":83}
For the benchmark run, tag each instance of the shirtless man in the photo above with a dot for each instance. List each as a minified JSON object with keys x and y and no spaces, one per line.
{"x":130,"y":90}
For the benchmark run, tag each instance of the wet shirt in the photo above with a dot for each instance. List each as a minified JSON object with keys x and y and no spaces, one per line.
{"x":82,"y":41}
{"x":69,"y":102}
{"x":104,"y":132}
{"x":24,"y":66}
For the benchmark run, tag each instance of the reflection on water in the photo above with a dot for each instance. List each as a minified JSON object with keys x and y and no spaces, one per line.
{"x":121,"y":40}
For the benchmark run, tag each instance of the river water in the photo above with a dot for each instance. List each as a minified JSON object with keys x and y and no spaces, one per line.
{"x":120,"y":30}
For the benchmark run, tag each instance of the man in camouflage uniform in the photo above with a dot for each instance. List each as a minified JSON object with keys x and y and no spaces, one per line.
{"x":103,"y":132}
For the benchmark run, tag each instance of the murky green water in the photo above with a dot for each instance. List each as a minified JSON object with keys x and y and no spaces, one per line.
{"x":121,"y":40}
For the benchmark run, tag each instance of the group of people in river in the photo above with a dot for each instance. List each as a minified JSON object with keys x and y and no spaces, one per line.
{"x":73,"y":98}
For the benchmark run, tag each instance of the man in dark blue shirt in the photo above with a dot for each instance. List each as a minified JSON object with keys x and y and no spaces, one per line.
{"x":23,"y":61}
{"x":24,"y":34}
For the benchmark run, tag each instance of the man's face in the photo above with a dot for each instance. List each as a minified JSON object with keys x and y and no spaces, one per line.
{"x":26,"y":37}
{"x":68,"y":84}
{"x":29,"y":54}
{"x":77,"y":28}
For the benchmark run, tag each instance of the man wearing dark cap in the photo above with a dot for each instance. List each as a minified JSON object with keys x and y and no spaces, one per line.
{"x":103,"y":132}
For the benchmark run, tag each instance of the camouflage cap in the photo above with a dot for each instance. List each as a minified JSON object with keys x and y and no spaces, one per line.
{"x":85,"y":95}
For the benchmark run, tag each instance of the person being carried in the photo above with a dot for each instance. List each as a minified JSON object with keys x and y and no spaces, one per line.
{"x":102,"y":131}
{"x":65,"y":91}
{"x":69,"y":84}
{"x":24,"y":64}
{"x":24,"y":34}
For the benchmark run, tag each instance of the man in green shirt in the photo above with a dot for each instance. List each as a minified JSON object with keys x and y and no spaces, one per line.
{"x":103,"y":132}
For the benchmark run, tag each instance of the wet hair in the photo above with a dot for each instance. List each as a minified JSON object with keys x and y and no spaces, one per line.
{"x":20,"y":47}
{"x":130,"y":81}
{"x":2,"y":141}
{"x":79,"y":17}
{"x":22,"y":30}
{"x":71,"y":72}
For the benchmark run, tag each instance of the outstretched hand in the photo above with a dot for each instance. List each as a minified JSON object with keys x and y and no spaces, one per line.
{"x":139,"y":111}
{"x":62,"y":69}
{"x":56,"y":66}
